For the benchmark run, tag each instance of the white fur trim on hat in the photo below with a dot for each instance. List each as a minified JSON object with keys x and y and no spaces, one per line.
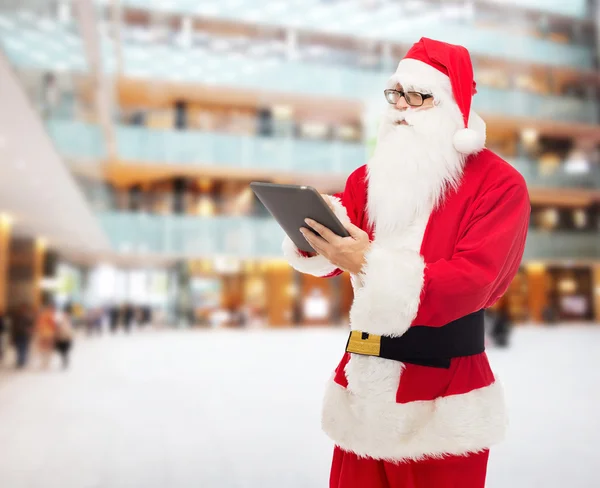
{"x":417,"y":75}
{"x":315,"y":265}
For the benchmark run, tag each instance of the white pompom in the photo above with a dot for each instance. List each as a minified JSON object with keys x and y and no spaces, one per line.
{"x":468,"y":141}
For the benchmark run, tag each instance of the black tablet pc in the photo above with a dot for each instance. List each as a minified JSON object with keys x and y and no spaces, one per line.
{"x":291,"y":204}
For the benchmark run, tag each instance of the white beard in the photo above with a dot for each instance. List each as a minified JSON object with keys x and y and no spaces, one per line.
{"x":413,"y":167}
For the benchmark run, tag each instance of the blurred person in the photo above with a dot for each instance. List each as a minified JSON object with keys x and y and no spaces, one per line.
{"x":64,"y":337}
{"x":502,"y":325}
{"x":3,"y":321}
{"x":51,"y":95}
{"x":437,"y":229}
{"x":146,"y":315}
{"x":550,"y":314}
{"x":45,"y":334}
{"x":21,"y":331}
{"x":128,"y":315}
{"x":114,"y":315}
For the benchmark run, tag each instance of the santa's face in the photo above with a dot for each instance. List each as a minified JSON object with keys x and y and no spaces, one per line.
{"x":415,"y":161}
{"x":418,"y":109}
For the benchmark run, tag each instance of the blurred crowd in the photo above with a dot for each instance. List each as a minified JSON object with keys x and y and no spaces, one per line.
{"x":36,"y":335}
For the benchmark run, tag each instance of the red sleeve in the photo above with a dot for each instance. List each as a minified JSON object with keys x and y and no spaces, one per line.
{"x":486,"y":258}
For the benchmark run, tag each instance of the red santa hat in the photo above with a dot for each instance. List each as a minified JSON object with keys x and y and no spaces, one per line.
{"x":444,"y":70}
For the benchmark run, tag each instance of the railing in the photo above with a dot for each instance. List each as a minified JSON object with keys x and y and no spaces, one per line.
{"x":59,"y":45}
{"x":82,"y":141}
{"x":77,"y":140}
{"x":560,"y":178}
{"x":253,"y":237}
{"x":182,"y":235}
{"x":562,"y":245}
{"x":234,"y":151}
{"x":347,"y":20}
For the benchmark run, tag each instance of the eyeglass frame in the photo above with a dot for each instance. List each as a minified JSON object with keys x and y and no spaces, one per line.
{"x":402,"y":93}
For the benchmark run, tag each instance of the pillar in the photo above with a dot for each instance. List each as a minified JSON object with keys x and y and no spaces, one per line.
{"x":291,"y":44}
{"x":279,"y":293}
{"x":537,"y":289}
{"x":5,"y":231}
{"x":39,"y":256}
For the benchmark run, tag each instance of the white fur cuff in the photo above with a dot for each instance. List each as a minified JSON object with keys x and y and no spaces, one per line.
{"x":315,"y":265}
{"x":389,"y":299}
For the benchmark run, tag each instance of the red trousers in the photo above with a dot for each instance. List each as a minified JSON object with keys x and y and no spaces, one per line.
{"x":350,"y":471}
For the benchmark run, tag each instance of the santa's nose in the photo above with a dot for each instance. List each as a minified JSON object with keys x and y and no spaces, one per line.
{"x":401,"y":104}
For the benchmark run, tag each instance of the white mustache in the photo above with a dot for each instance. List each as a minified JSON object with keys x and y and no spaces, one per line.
{"x":396,"y":117}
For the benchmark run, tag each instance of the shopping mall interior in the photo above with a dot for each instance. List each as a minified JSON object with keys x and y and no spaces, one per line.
{"x":129,"y":134}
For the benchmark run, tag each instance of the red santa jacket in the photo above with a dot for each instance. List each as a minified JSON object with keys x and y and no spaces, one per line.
{"x":460,"y":259}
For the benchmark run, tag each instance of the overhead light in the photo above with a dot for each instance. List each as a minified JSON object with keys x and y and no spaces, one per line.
{"x":6,"y":220}
{"x":577,"y":164}
{"x":580,"y":218}
{"x":529,"y":136}
{"x":535,"y":267}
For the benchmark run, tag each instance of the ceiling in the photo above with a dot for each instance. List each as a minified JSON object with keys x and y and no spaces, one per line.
{"x":36,"y":188}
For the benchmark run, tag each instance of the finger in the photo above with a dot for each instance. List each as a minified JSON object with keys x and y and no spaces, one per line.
{"x":323,"y":231}
{"x":318,"y":244}
{"x":353,"y":230}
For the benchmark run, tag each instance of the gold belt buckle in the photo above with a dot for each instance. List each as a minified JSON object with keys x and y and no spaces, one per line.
{"x":364,"y":343}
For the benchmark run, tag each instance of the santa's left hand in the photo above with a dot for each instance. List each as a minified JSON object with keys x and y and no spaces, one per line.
{"x":347,"y":253}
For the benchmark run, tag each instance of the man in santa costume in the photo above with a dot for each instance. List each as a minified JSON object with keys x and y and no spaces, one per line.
{"x":438,"y":226}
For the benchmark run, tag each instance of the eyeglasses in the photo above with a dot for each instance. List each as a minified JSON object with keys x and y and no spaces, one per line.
{"x":414,"y":99}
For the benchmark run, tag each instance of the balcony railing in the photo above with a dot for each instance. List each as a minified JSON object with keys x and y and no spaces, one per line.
{"x":182,"y":235}
{"x":76,"y":139}
{"x":254,"y":237}
{"x":388,"y":25}
{"x":562,"y":245}
{"x":58,"y":46}
{"x":82,"y":141}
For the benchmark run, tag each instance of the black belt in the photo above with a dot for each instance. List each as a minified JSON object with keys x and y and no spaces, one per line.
{"x":425,"y":346}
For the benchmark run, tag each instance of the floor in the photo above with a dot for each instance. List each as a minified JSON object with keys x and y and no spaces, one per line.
{"x":229,"y":409}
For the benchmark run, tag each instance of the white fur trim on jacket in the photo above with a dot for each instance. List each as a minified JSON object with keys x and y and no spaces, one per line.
{"x":451,"y":425}
{"x":388,"y":300}
{"x":315,"y":265}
